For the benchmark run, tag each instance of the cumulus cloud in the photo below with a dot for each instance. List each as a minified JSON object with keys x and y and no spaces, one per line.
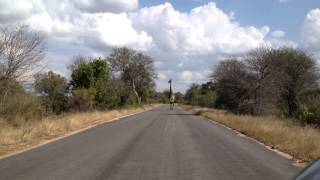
{"x":190,"y":42}
{"x":99,"y":31}
{"x":278,"y":34}
{"x":206,"y":29}
{"x":185,"y":45}
{"x":15,"y":10}
{"x":311,"y":30}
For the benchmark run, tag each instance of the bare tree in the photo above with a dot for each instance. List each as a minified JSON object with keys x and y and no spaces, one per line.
{"x":21,"y":52}
{"x":232,"y":82}
{"x":267,"y":76}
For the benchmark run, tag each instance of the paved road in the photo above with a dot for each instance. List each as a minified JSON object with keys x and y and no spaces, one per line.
{"x":159,"y":144}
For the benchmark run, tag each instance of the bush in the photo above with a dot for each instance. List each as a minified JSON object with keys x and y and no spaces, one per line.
{"x":82,"y":99}
{"x":201,"y":95}
{"x":309,"y":103}
{"x":53,"y":89}
{"x":108,"y":95}
{"x":18,"y":108}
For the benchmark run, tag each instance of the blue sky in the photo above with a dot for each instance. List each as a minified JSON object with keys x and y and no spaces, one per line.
{"x":186,"y":38}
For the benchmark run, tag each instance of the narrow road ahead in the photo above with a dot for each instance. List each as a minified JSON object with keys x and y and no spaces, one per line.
{"x":158,"y":144}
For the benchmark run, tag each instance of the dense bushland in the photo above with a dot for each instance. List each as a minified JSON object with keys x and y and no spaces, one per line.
{"x":125,"y":77}
{"x":265,"y":81}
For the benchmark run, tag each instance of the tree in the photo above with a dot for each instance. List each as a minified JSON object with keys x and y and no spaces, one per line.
{"x":267,"y":75}
{"x":178,"y":97}
{"x":264,"y":79}
{"x":21,"y":53}
{"x":231,"y":78}
{"x":85,"y":73}
{"x":108,"y":94}
{"x":201,"y":95}
{"x":95,"y":74}
{"x":192,"y":94}
{"x":300,"y":73}
{"x":136,"y":70}
{"x":52,"y":88}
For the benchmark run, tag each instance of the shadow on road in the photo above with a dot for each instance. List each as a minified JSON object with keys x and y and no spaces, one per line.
{"x":180,"y":114}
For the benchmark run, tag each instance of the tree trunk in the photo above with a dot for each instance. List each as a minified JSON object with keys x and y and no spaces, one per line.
{"x":136,"y":93}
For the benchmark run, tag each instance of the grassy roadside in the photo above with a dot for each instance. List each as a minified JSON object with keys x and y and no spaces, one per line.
{"x":302,"y":143}
{"x":15,"y":139}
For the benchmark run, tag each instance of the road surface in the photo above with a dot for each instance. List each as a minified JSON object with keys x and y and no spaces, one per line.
{"x":158,"y":144}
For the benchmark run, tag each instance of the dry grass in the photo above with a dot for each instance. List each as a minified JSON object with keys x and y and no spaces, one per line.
{"x":302,"y":143}
{"x":30,"y":134}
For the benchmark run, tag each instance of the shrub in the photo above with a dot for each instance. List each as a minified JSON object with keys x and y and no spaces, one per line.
{"x":309,"y":103}
{"x":52,"y":88}
{"x":82,"y":99}
{"x":17,"y":108}
{"x":107,"y":95}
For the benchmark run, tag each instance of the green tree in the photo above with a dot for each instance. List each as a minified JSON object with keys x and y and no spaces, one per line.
{"x":136,"y":70}
{"x":95,"y":74}
{"x":53,"y":89}
{"x":82,"y":75}
{"x":201,"y":95}
{"x":192,"y":94}
{"x":108,"y":94}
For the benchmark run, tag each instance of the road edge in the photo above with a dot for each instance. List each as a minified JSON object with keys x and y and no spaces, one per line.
{"x":295,"y":162}
{"x":45,"y":142}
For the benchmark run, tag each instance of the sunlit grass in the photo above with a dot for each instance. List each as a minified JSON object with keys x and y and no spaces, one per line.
{"x":301,"y":142}
{"x":36,"y":132}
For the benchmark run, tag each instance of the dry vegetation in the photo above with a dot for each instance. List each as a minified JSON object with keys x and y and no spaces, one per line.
{"x":283,"y":134}
{"x":30,"y":134}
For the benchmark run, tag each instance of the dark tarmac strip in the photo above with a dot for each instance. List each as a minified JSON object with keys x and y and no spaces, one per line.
{"x":158,"y":144}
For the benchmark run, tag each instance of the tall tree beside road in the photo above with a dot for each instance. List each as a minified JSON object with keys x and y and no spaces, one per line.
{"x":21,"y":53}
{"x":136,"y":70}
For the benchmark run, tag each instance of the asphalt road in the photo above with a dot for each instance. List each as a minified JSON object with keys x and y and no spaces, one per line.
{"x":158,"y":144}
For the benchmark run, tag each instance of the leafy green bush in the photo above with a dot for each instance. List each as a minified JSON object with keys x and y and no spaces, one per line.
{"x":53,"y":89}
{"x":201,"y":95}
{"x":107,"y":95}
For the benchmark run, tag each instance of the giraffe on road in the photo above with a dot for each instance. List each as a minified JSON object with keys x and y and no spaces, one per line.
{"x":171,"y":96}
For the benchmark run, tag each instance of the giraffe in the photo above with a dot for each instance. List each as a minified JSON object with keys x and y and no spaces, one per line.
{"x":171,"y":96}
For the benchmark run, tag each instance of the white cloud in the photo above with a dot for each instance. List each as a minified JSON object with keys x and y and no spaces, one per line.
{"x":99,"y":31}
{"x":276,"y":42}
{"x":189,"y":43}
{"x":191,"y":76}
{"x":185,"y":45}
{"x":278,"y":34}
{"x":206,"y":29}
{"x":311,"y":30}
{"x":15,"y":10}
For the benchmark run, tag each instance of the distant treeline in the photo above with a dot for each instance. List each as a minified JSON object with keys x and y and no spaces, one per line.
{"x":125,"y":77}
{"x":266,"y":81}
